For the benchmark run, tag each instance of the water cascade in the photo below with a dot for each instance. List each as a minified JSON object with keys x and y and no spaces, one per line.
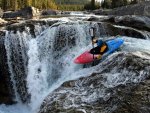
{"x":40,"y":63}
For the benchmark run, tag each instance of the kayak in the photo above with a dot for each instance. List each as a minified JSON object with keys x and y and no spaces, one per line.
{"x":88,"y":57}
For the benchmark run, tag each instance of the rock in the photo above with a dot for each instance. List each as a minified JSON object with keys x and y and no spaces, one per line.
{"x":132,"y":26}
{"x":28,"y":12}
{"x":136,"y":99}
{"x":113,"y":30}
{"x":112,"y":88}
{"x":3,"y":22}
{"x":49,"y":12}
{"x":30,"y":24}
{"x":11,"y":14}
{"x":138,"y":22}
{"x":142,"y":8}
{"x":1,"y":12}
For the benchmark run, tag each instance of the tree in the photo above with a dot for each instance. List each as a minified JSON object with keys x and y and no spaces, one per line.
{"x":106,"y":4}
{"x":92,"y":4}
{"x":134,"y":1}
{"x":118,"y":3}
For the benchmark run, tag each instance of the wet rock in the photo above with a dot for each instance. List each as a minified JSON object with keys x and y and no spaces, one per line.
{"x":132,"y":26}
{"x":28,"y":12}
{"x":115,"y":86}
{"x":137,"y":100}
{"x":138,"y":22}
{"x":3,"y":22}
{"x":113,"y":30}
{"x":49,"y":12}
{"x":142,"y":8}
{"x":31,"y":25}
{"x":11,"y":14}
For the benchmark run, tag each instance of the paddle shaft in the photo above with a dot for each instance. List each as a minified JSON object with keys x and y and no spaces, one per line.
{"x":92,"y":37}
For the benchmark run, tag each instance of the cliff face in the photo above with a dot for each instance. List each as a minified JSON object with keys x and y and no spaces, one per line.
{"x":142,"y":8}
{"x":113,"y":87}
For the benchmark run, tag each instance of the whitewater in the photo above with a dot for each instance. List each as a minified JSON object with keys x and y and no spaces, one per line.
{"x":43,"y":62}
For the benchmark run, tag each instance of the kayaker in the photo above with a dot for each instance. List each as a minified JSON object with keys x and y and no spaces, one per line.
{"x":100,"y":49}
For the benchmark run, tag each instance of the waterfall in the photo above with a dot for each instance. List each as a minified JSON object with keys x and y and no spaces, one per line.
{"x":51,"y":57}
{"x":40,"y":63}
{"x":16,"y":45}
{"x":37,"y":60}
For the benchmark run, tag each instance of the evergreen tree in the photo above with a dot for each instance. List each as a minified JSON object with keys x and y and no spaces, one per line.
{"x":134,"y":1}
{"x":106,"y":4}
{"x":92,"y":4}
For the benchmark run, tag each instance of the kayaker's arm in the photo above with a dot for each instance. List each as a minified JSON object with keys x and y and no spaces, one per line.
{"x":94,"y":41}
{"x":99,"y":42}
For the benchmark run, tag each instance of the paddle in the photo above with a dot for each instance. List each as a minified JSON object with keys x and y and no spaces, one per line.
{"x":92,"y":37}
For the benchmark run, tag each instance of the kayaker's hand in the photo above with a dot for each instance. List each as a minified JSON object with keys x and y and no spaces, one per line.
{"x":99,"y":57}
{"x":94,"y":41}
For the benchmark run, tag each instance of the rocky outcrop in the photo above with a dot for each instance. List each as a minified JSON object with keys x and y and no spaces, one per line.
{"x":31,"y":24}
{"x":138,"y":22}
{"x":113,"y":30}
{"x":11,"y":14}
{"x":129,"y":25}
{"x":115,"y":86}
{"x":49,"y":12}
{"x":3,"y":22}
{"x":28,"y":12}
{"x":1,"y":12}
{"x":135,"y":99}
{"x":142,"y":8}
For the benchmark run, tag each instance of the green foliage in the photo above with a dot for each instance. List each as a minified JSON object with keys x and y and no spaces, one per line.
{"x":71,"y":2}
{"x":106,"y":4}
{"x":114,"y":3}
{"x":118,"y":3}
{"x":133,"y":1}
{"x":18,"y":4}
{"x":71,"y":7}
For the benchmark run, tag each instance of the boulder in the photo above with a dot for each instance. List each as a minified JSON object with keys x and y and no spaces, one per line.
{"x":108,"y":29}
{"x":128,"y":25}
{"x":138,"y":22}
{"x":3,"y":22}
{"x":11,"y":14}
{"x":49,"y":12}
{"x":142,"y":8}
{"x":113,"y":88}
{"x":28,"y":12}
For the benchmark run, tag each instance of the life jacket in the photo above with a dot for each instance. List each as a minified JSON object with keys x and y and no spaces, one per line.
{"x":99,"y":49}
{"x":103,"y":48}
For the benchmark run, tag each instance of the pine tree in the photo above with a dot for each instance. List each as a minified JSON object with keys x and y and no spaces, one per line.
{"x":92,"y":4}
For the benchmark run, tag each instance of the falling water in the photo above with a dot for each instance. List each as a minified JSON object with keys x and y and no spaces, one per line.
{"x":41,"y":64}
